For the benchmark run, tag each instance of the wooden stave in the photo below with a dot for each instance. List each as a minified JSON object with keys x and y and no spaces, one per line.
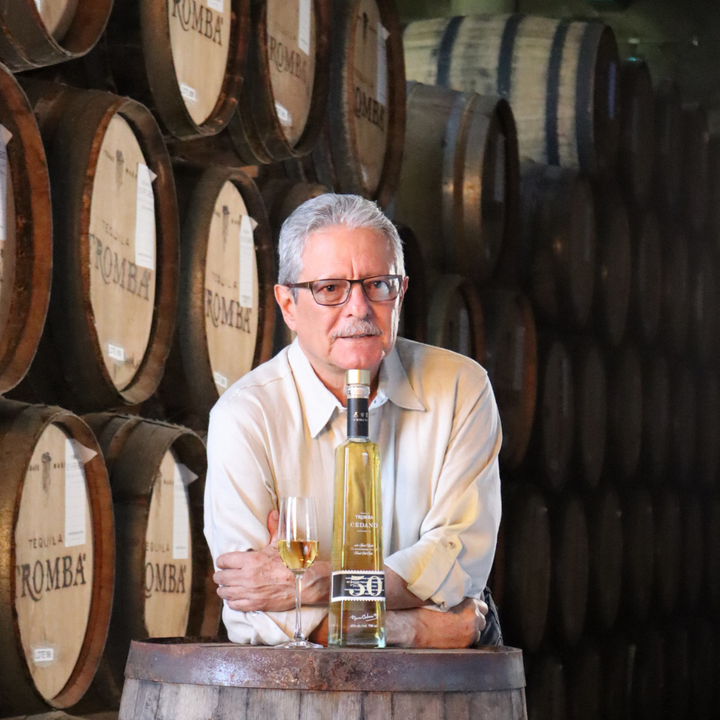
{"x":34,"y":235}
{"x":443,"y":290}
{"x":646,"y":285}
{"x":339,"y":116}
{"x":82,"y":386}
{"x":141,"y":62}
{"x":505,"y":309}
{"x":124,"y":441}
{"x":637,"y":132}
{"x":190,"y":390}
{"x":21,"y":425}
{"x":433,"y":63}
{"x":668,"y":541}
{"x":415,"y":301}
{"x":638,"y":552}
{"x":38,"y":48}
{"x":613,"y":281}
{"x":695,"y":171}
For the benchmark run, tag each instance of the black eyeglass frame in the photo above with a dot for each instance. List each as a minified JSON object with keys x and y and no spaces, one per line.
{"x":309,"y":286}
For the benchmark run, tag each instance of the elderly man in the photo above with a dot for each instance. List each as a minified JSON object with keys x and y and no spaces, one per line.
{"x":274,"y":432}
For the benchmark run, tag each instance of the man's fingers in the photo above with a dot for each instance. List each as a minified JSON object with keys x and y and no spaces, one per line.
{"x":232,"y":560}
{"x":482,"y":607}
{"x":273,"y":520}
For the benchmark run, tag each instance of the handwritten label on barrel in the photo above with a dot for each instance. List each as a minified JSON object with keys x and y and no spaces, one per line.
{"x":381,"y":85}
{"x":145,"y":218}
{"x":304,"y":26}
{"x":5,"y":136}
{"x":75,"y":497}
{"x":247,"y":256}
{"x":183,"y":476}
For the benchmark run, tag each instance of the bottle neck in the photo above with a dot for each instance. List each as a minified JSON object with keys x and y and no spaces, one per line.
{"x":358,"y":412}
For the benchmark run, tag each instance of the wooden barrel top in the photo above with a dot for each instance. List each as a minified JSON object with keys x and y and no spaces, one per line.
{"x":186,"y":661}
{"x":57,"y":15}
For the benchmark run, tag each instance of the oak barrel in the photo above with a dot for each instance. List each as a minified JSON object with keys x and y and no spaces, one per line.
{"x":511,"y":362}
{"x":590,"y":393}
{"x":696,"y":156}
{"x":707,"y":464}
{"x":182,"y":59}
{"x":34,"y":33}
{"x":115,"y":262}
{"x":560,"y":76}
{"x":668,"y":147}
{"x":655,"y":418}
{"x":668,"y":551}
{"x":455,"y":317}
{"x":414,"y":310}
{"x":57,"y":562}
{"x":682,"y":434}
{"x":157,"y":475}
{"x":226,"y":308}
{"x":636,"y":155}
{"x":459,"y":182}
{"x":183,"y":680}
{"x":614,"y":274}
{"x":638,"y":552}
{"x":646,"y":285}
{"x":557,"y":244}
{"x":25,"y":233}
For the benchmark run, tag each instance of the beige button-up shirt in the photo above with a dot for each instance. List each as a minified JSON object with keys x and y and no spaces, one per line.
{"x":274,"y":434}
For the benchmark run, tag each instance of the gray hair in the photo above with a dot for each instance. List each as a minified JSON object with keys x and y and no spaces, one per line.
{"x":325,"y":211}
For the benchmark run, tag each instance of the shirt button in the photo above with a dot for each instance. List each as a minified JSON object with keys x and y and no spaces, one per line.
{"x":450,"y":544}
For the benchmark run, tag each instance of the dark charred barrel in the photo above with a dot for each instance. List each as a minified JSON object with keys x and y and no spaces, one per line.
{"x":551,"y":444}
{"x":568,"y":595}
{"x":226,"y":308}
{"x":590,"y":393}
{"x":703,"y":678}
{"x":704,"y":303}
{"x":683,"y":425}
{"x":25,"y":233}
{"x":34,"y":34}
{"x":677,"y":673}
{"x":414,"y":311}
{"x":655,"y":418}
{"x":646,"y":285}
{"x":115,"y":263}
{"x":693,"y":564}
{"x":511,"y":362}
{"x":696,"y":156}
{"x":676,"y":291}
{"x":708,"y":430}
{"x":546,"y":692}
{"x":613,"y":278}
{"x":625,"y":411}
{"x":194,"y":679}
{"x":605,"y":541}
{"x":455,"y":317}
{"x":648,"y":676}
{"x":615,"y":654}
{"x":528,"y":565}
{"x":636,"y":155}
{"x":573,"y":122}
{"x":668,"y":551}
{"x":557,"y":244}
{"x":638,"y":552}
{"x":57,"y":573}
{"x":181,"y":59}
{"x":459,"y":182}
{"x":668,"y":147}
{"x":583,"y":678}
{"x":711,"y":530}
{"x":157,"y":474}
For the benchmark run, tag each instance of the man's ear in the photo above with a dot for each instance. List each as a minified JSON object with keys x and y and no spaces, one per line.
{"x":285,"y":300}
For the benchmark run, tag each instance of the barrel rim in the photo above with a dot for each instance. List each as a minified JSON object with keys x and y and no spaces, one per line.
{"x":186,"y":661}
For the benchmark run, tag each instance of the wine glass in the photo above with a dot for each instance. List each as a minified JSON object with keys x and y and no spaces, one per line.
{"x":298,"y":546}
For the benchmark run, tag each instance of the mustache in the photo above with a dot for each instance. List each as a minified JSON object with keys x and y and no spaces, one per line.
{"x":357,"y":327}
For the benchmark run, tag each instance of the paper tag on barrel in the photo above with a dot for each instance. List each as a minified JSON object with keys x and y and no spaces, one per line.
{"x":5,"y":136}
{"x":76,"y":455}
{"x":183,"y":476}
{"x":145,"y":218}
{"x":247,"y":255}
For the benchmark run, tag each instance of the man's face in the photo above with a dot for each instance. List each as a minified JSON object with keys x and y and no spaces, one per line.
{"x":359,"y":333}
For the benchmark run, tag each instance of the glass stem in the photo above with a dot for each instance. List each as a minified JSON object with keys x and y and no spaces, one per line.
{"x":298,"y":615}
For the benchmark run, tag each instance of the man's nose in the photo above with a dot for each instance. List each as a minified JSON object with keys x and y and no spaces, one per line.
{"x":357,"y":303}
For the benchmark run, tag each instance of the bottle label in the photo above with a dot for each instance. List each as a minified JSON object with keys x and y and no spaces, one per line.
{"x":357,"y":409}
{"x":358,"y":585}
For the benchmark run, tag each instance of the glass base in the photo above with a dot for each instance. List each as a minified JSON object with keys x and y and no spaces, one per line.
{"x":299,"y":645}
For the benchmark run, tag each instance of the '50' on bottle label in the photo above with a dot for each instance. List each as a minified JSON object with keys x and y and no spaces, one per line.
{"x":358,"y":585}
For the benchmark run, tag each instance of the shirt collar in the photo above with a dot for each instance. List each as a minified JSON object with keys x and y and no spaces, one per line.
{"x":319,"y":403}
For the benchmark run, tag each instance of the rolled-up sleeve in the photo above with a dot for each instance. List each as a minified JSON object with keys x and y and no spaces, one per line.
{"x":239,"y":495}
{"x":454,"y":554}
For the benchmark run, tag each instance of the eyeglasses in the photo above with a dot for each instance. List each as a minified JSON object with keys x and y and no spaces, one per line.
{"x":336,"y":291}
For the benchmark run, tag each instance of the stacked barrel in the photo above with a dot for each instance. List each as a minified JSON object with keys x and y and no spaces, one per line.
{"x":599,"y":307}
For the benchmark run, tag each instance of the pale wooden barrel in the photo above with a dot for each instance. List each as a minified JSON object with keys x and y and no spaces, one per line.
{"x":511,"y":362}
{"x":218,"y":680}
{"x":115,"y":272}
{"x":25,"y":233}
{"x":455,"y":317}
{"x":560,"y":76}
{"x":638,"y":552}
{"x":557,"y":245}
{"x":696,"y":156}
{"x":646,"y":285}
{"x":157,"y":474}
{"x":183,"y":60}
{"x":226,"y":310}
{"x":34,"y":33}
{"x":668,"y":147}
{"x":459,"y":182}
{"x":56,"y":567}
